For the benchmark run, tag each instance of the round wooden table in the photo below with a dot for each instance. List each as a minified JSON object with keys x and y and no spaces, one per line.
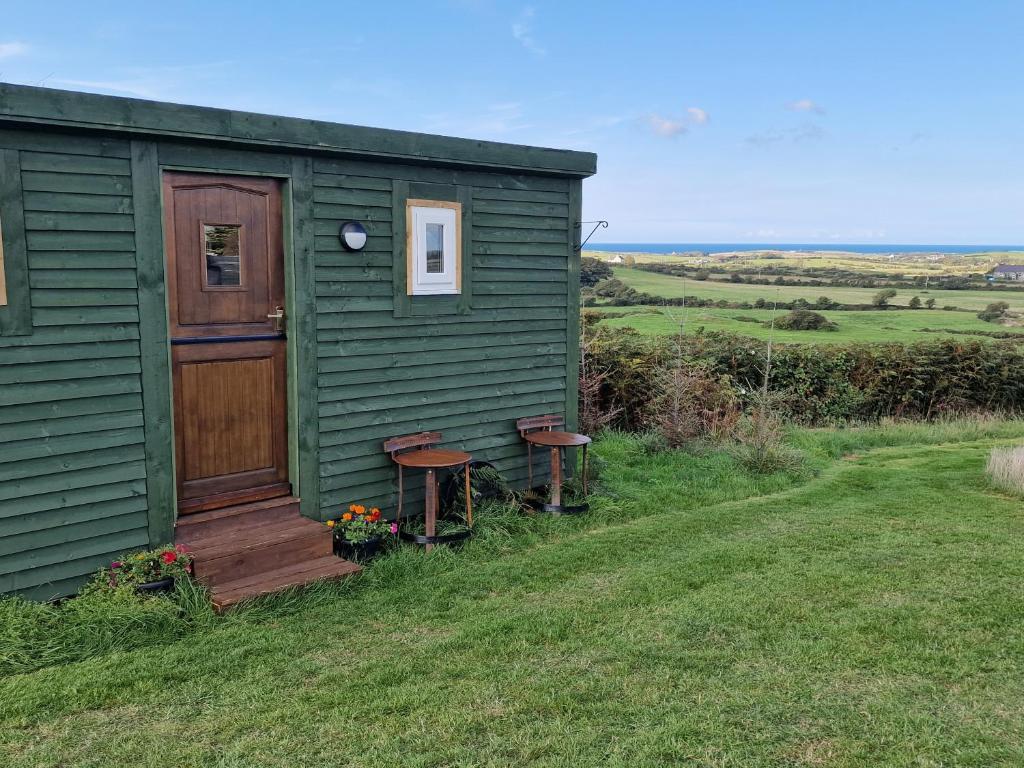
{"x":557,"y":442}
{"x":433,"y":459}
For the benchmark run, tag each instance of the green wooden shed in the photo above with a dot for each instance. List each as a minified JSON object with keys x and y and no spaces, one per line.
{"x":186,"y":332}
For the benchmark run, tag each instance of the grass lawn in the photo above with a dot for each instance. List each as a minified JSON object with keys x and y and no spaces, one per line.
{"x":889,"y":325}
{"x":867,"y":614}
{"x":670,"y":286}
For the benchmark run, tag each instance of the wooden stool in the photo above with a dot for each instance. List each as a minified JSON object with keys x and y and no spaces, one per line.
{"x":430,"y":459}
{"x":539,"y":430}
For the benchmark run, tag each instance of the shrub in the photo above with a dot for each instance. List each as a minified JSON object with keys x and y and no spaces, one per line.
{"x":759,"y":435}
{"x":1005,"y":469}
{"x":994,"y":312}
{"x":819,"y":384}
{"x":693,"y":403}
{"x":881,"y":299}
{"x":805,"y":320}
{"x":593,"y":271}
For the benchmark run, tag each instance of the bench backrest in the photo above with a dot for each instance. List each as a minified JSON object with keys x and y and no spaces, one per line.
{"x":405,"y":442}
{"x":548,"y":421}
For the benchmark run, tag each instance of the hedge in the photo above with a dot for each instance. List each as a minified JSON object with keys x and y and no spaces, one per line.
{"x":818,"y":385}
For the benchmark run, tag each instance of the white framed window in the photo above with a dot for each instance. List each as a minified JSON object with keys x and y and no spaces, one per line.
{"x":433,"y":247}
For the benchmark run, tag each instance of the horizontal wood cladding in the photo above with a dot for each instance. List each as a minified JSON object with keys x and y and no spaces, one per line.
{"x":73,"y":429}
{"x":468,"y":375}
{"x":72,"y":470}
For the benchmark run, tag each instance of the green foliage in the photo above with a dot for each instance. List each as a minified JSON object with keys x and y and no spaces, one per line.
{"x":134,"y":568}
{"x":915,"y":302}
{"x":35,"y":635}
{"x":820,"y":384}
{"x":881,"y":299}
{"x":593,"y":271}
{"x":994,"y":312}
{"x":930,"y":303}
{"x":805,"y":320}
{"x":865,"y":617}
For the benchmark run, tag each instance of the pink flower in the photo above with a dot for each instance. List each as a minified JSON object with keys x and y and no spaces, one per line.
{"x":394,"y":527}
{"x":116,"y":564}
{"x":168,"y":557}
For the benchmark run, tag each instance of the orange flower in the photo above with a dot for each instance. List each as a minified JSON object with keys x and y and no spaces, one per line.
{"x":347,"y":516}
{"x":358,"y":508}
{"x":352,"y":508}
{"x":374,"y":511}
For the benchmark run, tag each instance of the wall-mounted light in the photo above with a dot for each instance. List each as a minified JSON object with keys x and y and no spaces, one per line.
{"x":353,"y":236}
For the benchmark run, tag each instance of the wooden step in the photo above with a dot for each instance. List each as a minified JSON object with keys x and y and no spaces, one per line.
{"x":250,"y":552}
{"x":201,"y":525}
{"x":229,"y":593}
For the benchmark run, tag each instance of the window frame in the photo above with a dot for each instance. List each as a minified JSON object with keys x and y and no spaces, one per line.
{"x":16,"y":313}
{"x":419,"y":213}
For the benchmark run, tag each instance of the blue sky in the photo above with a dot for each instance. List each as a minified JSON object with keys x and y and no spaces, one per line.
{"x":713,"y":121}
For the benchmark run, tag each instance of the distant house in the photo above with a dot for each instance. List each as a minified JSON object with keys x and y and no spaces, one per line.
{"x":1008,"y":272}
{"x":616,"y":258}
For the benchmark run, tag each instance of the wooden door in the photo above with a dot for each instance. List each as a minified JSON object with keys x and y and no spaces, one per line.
{"x":225,"y":283}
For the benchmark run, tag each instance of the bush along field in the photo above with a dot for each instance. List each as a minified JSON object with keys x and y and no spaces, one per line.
{"x":701,"y":613}
{"x":627,"y":374}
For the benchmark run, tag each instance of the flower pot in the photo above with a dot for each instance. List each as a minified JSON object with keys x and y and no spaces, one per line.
{"x":359,"y":550}
{"x":163,"y":585}
{"x":449,"y":538}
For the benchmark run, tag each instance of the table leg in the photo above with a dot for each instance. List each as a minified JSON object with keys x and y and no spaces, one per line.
{"x":556,"y":476}
{"x":469,"y":499}
{"x":430,"y":514}
{"x":584,"y":470}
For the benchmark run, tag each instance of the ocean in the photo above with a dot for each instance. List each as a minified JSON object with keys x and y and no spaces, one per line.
{"x":848,"y":247}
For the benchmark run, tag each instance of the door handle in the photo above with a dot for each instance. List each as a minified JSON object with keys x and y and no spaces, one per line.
{"x":278,"y":317}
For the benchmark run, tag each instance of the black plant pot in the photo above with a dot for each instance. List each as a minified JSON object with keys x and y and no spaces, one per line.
{"x":360,"y":550}
{"x":450,"y":538}
{"x":163,"y":585}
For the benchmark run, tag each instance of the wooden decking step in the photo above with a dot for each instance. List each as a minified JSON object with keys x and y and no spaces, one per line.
{"x":255,"y":549}
{"x":229,"y":593}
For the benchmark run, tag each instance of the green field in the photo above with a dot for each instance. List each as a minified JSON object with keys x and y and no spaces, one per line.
{"x":868,"y":263}
{"x":864,"y":613}
{"x":669,"y":286}
{"x":889,"y":325}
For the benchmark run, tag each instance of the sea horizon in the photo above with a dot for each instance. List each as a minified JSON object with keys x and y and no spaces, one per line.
{"x":866,"y":248}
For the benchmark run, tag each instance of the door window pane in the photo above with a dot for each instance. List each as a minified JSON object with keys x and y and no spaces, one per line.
{"x":435,"y":248}
{"x":223,"y":257}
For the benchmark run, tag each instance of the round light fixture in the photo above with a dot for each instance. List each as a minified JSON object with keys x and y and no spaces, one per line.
{"x":353,"y":236}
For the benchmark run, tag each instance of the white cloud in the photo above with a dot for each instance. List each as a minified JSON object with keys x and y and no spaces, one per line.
{"x":806,"y":105}
{"x":697,"y":115}
{"x":665,"y":126}
{"x":799,"y":135}
{"x":522,"y":30}
{"x":12,"y":49}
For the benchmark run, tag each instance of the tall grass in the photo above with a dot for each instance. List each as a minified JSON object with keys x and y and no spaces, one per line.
{"x":1005,"y":469}
{"x":639,"y":480}
{"x":36,"y":635}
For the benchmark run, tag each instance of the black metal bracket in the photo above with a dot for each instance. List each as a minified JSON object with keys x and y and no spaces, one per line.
{"x":600,"y":224}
